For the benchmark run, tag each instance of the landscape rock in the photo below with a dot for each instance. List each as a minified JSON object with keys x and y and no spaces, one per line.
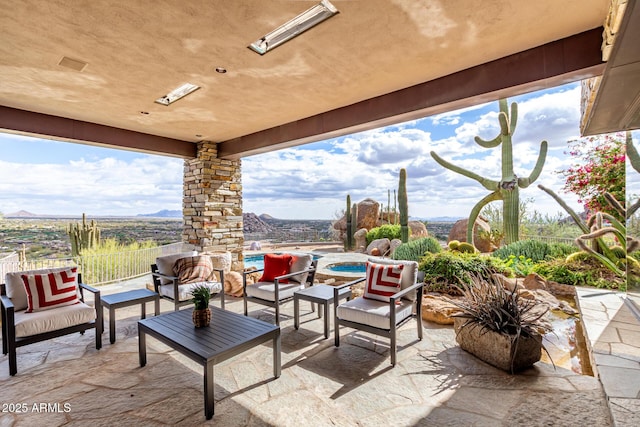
{"x":508,"y":283}
{"x":418,"y":229}
{"x":459,"y":232}
{"x":393,"y":245}
{"x":360,"y":237}
{"x":561,"y":289}
{"x":534,"y":281}
{"x":381,"y":245}
{"x":438,"y":308}
{"x":255,"y":246}
{"x":368,"y":214}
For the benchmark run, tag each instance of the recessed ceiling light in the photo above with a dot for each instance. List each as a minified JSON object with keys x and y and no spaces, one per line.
{"x":221,"y":70}
{"x":301,"y":23}
{"x":177,"y":93}
{"x":74,"y":64}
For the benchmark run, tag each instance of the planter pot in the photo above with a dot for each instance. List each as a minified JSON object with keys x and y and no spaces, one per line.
{"x":497,"y":349}
{"x":201,"y":318}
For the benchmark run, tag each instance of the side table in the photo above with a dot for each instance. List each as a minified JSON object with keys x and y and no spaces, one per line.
{"x":319,"y":294}
{"x":127,"y":299}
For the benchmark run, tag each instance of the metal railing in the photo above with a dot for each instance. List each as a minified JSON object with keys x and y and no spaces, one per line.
{"x":97,"y":269}
{"x":289,"y":236}
{"x":550,"y":239}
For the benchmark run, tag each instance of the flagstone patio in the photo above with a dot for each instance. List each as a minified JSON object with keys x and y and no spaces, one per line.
{"x":435,"y":383}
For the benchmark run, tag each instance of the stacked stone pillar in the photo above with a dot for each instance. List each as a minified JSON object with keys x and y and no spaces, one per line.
{"x":212,"y":204}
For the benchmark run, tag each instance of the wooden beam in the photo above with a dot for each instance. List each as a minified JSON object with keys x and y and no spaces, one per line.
{"x":574,"y":58}
{"x":13,"y":120}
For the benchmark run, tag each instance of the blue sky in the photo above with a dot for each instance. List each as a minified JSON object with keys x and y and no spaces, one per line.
{"x":309,"y":181}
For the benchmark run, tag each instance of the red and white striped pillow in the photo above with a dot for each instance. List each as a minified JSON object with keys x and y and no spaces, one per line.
{"x":51,"y":290}
{"x":382,"y":281}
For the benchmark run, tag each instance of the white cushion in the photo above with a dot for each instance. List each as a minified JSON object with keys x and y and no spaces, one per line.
{"x":184,"y":291}
{"x":409,"y":273}
{"x":301,"y":262}
{"x":165,"y":264}
{"x":372,"y":312}
{"x":15,"y":286}
{"x":38,"y":322}
{"x":266,"y":290}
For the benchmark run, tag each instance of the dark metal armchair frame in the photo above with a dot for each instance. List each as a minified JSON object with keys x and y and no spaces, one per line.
{"x":10,"y":342}
{"x":388,"y":333}
{"x":156,"y":275}
{"x":277,"y":300}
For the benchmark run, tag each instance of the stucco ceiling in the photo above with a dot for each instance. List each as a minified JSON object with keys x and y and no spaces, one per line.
{"x":137,"y":51}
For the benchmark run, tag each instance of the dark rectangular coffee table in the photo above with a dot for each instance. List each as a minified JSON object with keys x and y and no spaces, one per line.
{"x":321,"y":295}
{"x":228,"y":335}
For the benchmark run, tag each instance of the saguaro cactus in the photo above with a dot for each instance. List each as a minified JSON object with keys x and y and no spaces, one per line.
{"x":348,"y":242}
{"x":403,"y":205}
{"x":87,"y":236}
{"x":507,"y":189}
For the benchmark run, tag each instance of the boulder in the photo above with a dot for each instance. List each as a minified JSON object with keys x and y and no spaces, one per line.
{"x":381,"y":245}
{"x":393,"y":245}
{"x":255,"y":246}
{"x":534,"y":281}
{"x":459,"y":232}
{"x":507,"y":282}
{"x":360,"y":237}
{"x":438,"y":309}
{"x":418,"y":229}
{"x":368,"y":214}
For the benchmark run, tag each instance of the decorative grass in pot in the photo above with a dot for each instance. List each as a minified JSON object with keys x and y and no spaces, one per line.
{"x":498,"y":326}
{"x":201,"y":313}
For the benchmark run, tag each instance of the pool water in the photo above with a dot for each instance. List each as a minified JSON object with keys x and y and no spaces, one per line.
{"x":356,"y":267}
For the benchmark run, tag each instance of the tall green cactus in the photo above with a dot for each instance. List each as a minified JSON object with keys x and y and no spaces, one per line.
{"x":85,"y":237}
{"x":354,"y":224}
{"x":403,"y":205}
{"x":348,"y":242}
{"x":507,"y":189}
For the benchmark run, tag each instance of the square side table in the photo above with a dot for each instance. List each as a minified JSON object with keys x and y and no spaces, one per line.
{"x":319,"y":294}
{"x":127,"y":299}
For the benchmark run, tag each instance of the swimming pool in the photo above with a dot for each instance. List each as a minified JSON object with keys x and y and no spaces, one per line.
{"x":347,"y":267}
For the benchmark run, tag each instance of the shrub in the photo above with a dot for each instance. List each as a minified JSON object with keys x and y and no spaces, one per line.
{"x":444,"y":271}
{"x":562,"y":250}
{"x":535,"y":250}
{"x":390,"y":231}
{"x":579,"y":271}
{"x":520,"y":265}
{"x":416,"y":249}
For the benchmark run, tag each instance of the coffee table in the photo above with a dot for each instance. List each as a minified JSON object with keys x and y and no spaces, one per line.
{"x":228,"y":335}
{"x":319,"y":294}
{"x":127,"y":299}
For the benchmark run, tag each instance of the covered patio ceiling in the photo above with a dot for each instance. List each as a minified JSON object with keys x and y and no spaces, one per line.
{"x":89,"y":71}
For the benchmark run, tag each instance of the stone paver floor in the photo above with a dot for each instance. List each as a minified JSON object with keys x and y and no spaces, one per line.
{"x":435,"y":383}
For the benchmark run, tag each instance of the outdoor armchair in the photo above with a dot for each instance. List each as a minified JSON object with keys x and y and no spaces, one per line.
{"x":391,"y":298}
{"x":38,"y":305}
{"x":283,"y":275}
{"x":175,"y":276}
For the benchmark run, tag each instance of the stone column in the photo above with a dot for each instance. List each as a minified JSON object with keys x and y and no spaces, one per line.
{"x":212,"y":204}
